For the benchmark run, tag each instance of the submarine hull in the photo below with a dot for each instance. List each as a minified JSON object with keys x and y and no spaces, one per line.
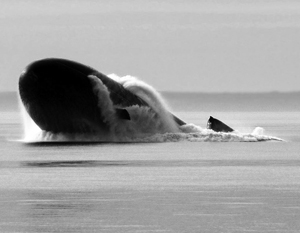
{"x":59,"y":96}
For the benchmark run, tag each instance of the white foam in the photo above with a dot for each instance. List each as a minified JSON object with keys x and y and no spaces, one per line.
{"x":31,"y":130}
{"x":258,"y":131}
{"x":151,"y":97}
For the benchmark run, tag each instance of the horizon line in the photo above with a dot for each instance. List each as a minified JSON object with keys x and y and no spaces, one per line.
{"x":204,"y":92}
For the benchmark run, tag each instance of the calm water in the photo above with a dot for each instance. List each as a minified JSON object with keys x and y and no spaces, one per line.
{"x":159,"y":187}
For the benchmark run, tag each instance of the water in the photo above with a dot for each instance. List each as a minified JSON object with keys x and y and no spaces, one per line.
{"x":179,"y":186}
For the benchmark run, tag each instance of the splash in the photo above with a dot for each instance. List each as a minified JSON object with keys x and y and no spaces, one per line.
{"x":151,"y":97}
{"x":152,"y":123}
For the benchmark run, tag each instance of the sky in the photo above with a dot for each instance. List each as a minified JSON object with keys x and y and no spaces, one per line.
{"x":174,"y":45}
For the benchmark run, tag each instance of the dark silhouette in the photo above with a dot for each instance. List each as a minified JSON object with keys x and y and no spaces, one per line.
{"x":218,"y":125}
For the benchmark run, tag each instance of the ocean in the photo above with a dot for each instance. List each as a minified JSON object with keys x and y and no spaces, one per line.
{"x":180,"y":185}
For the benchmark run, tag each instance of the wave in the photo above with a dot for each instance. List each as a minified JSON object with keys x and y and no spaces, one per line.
{"x":153,"y":123}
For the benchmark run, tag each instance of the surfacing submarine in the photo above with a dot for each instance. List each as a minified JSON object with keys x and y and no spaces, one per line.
{"x":60,"y":97}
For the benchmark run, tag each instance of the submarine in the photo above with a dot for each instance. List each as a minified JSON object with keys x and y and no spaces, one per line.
{"x":60,"y":97}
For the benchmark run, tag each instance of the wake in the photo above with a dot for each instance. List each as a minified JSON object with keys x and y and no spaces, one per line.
{"x":153,"y":123}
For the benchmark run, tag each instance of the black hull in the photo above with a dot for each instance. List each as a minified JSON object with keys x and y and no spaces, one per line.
{"x":59,"y":96}
{"x":218,"y":126}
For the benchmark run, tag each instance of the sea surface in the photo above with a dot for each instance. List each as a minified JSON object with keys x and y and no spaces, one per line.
{"x":180,"y":186}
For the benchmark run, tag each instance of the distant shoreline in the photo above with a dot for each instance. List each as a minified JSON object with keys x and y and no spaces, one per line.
{"x":3,"y":93}
{"x":200,"y":101}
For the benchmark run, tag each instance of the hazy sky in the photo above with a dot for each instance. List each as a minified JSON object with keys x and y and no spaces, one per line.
{"x":174,"y":45}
